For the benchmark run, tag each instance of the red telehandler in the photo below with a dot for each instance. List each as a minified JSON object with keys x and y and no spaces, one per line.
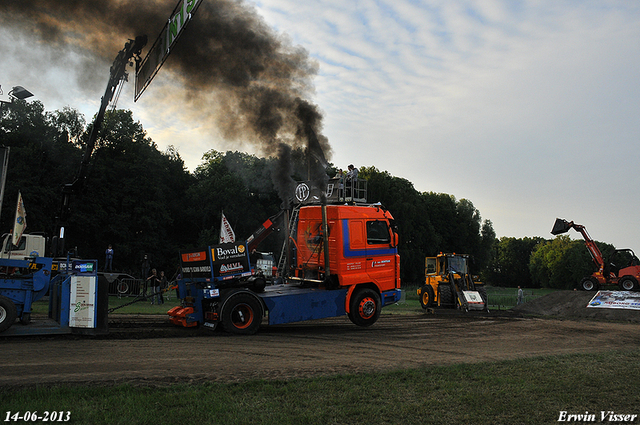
{"x":626,"y":278}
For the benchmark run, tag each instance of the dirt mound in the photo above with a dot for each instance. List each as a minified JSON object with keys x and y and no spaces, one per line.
{"x":573,"y":305}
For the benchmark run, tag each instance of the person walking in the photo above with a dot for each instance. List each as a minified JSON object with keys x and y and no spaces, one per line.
{"x":162,"y":286}
{"x":520,"y":296}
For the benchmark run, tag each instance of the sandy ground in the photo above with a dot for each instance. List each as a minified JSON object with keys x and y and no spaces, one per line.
{"x":152,"y":352}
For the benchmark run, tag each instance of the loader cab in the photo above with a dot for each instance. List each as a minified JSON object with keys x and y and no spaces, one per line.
{"x":621,"y":259}
{"x":444,"y":264}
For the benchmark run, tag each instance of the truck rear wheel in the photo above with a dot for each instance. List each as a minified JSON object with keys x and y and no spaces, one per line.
{"x":426,"y":296}
{"x":8,"y":313}
{"x":365,"y":307}
{"x":242,"y":314}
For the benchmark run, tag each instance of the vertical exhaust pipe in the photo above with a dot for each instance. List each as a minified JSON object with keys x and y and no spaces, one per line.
{"x":325,"y":237}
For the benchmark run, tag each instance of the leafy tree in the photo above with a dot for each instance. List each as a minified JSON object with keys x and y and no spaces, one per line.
{"x":41,"y":159}
{"x":510,"y":265}
{"x":132,"y":199}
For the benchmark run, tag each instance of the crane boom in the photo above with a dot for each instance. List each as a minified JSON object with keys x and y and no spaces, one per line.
{"x":117,"y":72}
{"x":132,"y":49}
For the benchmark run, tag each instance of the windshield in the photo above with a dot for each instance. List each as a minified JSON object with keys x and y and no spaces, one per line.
{"x":458,"y":264}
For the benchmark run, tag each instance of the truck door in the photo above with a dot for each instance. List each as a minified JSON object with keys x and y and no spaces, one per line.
{"x":355,"y":250}
{"x":381,"y":255}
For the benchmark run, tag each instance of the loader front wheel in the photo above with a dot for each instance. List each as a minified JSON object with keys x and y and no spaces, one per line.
{"x":426,"y":296}
{"x":589,"y":284}
{"x":8,"y":313}
{"x":365,"y":307}
{"x":242,"y":314}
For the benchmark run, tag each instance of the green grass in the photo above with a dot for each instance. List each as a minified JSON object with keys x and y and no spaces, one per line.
{"x":527,"y":391}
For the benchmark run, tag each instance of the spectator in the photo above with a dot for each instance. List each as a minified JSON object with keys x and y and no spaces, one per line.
{"x":108,"y":264}
{"x":153,"y":282}
{"x":520,"y":296}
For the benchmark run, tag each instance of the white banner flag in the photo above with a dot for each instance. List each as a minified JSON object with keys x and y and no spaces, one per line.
{"x":20,"y":222}
{"x":226,"y":232}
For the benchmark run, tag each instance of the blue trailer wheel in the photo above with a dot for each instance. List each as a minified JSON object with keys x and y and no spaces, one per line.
{"x":8,"y":313}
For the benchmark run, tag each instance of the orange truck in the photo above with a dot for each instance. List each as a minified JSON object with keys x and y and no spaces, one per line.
{"x":343,"y":261}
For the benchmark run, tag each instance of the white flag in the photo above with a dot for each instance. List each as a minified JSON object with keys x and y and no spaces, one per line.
{"x":20,"y":222}
{"x":226,"y":232}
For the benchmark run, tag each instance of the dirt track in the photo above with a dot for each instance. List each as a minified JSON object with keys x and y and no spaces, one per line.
{"x":325,"y":347}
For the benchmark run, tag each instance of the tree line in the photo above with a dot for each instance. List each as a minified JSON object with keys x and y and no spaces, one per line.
{"x":144,"y":201}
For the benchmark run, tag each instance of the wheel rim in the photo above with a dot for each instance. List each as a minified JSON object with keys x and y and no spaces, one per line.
{"x":627,"y":285}
{"x":367,"y":308}
{"x":242,"y":316}
{"x":3,"y":314}
{"x":587,"y":285}
{"x":425,"y":297}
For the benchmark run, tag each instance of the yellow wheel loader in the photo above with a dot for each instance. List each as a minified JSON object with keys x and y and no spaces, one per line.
{"x":448,"y":283}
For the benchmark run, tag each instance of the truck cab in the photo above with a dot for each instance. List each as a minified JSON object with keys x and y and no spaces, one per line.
{"x":30,"y":245}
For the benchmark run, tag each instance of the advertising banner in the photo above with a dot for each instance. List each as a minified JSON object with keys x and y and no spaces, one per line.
{"x":230,"y":259}
{"x":82,"y":312}
{"x":178,"y":20}
{"x":616,"y":299}
{"x":196,"y":263}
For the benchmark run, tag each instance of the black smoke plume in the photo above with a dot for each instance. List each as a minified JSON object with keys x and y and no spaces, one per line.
{"x":250,"y":81}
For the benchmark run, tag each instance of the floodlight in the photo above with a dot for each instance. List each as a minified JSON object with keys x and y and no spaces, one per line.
{"x":19,"y":92}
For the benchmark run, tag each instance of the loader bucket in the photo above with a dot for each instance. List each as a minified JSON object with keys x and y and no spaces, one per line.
{"x":561,"y":226}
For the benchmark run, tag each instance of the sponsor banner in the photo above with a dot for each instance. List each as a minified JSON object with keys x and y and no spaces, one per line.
{"x":616,"y":299}
{"x":195,"y":263}
{"x":229,"y":259}
{"x":158,"y":53}
{"x":85,"y":267}
{"x":82,"y":308}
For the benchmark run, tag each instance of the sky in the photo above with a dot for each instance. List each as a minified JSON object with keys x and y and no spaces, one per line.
{"x":529,"y":109}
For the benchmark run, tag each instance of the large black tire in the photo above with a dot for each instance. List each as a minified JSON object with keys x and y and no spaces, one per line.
{"x":446,"y":296}
{"x":589,"y":284}
{"x":628,"y":283}
{"x":365,"y":307}
{"x":242,"y":314}
{"x":426,"y":296}
{"x":8,"y":313}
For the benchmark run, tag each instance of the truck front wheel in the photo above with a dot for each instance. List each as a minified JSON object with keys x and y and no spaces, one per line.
{"x":242,"y":314}
{"x":365,"y":307}
{"x":8,"y":313}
